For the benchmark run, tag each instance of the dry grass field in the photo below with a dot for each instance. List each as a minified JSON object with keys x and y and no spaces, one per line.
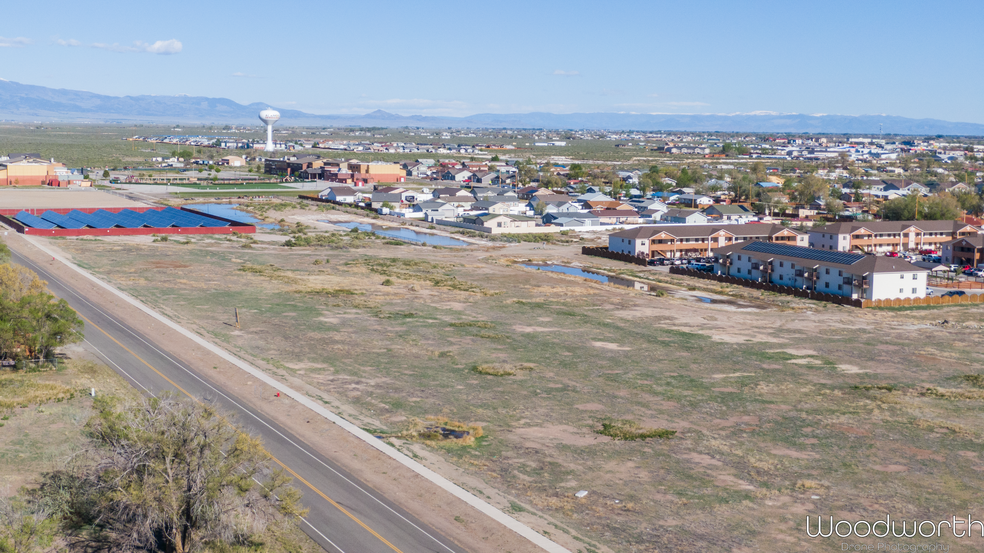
{"x":692,"y":426}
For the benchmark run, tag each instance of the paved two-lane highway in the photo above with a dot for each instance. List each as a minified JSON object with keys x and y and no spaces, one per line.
{"x":345,"y":514}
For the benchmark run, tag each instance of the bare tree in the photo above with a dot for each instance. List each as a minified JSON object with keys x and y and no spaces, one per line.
{"x":169,"y":475}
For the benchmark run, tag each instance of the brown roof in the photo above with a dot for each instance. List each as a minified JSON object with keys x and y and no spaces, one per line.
{"x":867,"y":263}
{"x":754,"y":230}
{"x":976,"y":240}
{"x":892,"y":226}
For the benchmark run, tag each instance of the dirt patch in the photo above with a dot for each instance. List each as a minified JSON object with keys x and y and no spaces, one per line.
{"x":590,"y":407}
{"x":165,"y":264}
{"x":554,"y":435}
{"x":890,"y":468}
{"x":786,"y":452}
{"x":521,"y":328}
{"x":609,"y":345}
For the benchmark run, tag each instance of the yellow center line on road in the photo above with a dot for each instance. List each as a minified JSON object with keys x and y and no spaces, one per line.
{"x":278,"y":461}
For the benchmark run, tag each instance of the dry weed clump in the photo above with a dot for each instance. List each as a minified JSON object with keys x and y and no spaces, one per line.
{"x":626,"y":430}
{"x":476,"y":324}
{"x":952,"y":394}
{"x":271,"y":272}
{"x":502,"y":369}
{"x":441,"y":429}
{"x":935,"y":424}
{"x":975,"y":380}
{"x":330,"y":292}
{"x":809,"y":485}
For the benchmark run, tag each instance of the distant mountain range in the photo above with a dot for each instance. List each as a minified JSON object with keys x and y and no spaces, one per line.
{"x":20,"y":102}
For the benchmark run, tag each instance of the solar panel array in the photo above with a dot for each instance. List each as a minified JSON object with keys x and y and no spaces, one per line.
{"x":127,"y":218}
{"x":33,"y":220}
{"x":813,"y":254}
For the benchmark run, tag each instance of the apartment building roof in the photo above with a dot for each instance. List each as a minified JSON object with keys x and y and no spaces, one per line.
{"x":854,"y":262}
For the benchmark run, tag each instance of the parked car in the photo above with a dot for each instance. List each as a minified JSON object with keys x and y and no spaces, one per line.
{"x":891,"y":254}
{"x":953,"y":293}
{"x":928,"y":251}
{"x":977,"y":273}
{"x":658,"y":261}
{"x":930,"y":292}
{"x":954,"y":268}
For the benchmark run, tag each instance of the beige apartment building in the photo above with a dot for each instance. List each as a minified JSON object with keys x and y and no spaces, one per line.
{"x":882,"y":236}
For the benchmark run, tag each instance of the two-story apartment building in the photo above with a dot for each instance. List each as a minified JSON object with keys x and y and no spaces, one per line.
{"x":696,"y":240}
{"x":852,"y":275}
{"x":968,"y":250}
{"x":882,"y":236}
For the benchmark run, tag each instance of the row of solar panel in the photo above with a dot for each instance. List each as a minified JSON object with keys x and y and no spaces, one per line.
{"x":127,"y":218}
{"x":813,"y":254}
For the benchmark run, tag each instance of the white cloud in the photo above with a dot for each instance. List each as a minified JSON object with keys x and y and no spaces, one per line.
{"x":562,"y":73}
{"x":18,"y":42}
{"x":163,"y":47}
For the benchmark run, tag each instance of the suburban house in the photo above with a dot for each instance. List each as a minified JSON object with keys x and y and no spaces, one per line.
{"x":694,"y":200}
{"x":732,"y":212}
{"x":685,"y":217}
{"x":553,"y":206}
{"x":613,"y":204}
{"x":593,"y":197}
{"x":615,"y":216}
{"x":852,"y":275}
{"x":527,"y":192}
{"x":491,"y":206}
{"x":434,"y":209}
{"x":484,"y":177}
{"x":457,"y":175}
{"x":968,"y":250}
{"x":500,"y":221}
{"x":881,"y":236}
{"x":488,"y":192}
{"x":564,"y":219}
{"x":395,"y":200}
{"x":682,"y":149}
{"x":416,"y":169}
{"x":406,"y":196}
{"x":343,"y":194}
{"x":696,"y":240}
{"x":451,"y":191}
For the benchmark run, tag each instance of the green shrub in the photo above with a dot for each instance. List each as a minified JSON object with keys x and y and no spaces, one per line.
{"x":626,"y":430}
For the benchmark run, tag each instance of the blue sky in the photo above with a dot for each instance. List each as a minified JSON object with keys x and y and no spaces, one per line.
{"x":914,"y":59}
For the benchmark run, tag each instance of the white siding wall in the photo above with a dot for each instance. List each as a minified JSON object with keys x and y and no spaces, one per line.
{"x":831,"y":280}
{"x":898,"y":285}
{"x":628,"y":246}
{"x":827,"y":241}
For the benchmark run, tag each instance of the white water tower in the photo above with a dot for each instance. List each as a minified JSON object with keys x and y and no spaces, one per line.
{"x":269,"y":117}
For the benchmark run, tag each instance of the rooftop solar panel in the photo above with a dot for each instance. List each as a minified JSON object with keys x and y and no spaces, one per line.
{"x":33,"y":221}
{"x":62,"y":221}
{"x":813,"y":254}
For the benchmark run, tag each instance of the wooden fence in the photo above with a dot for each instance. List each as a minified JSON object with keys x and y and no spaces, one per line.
{"x":830,"y":298}
{"x":602,"y":251}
